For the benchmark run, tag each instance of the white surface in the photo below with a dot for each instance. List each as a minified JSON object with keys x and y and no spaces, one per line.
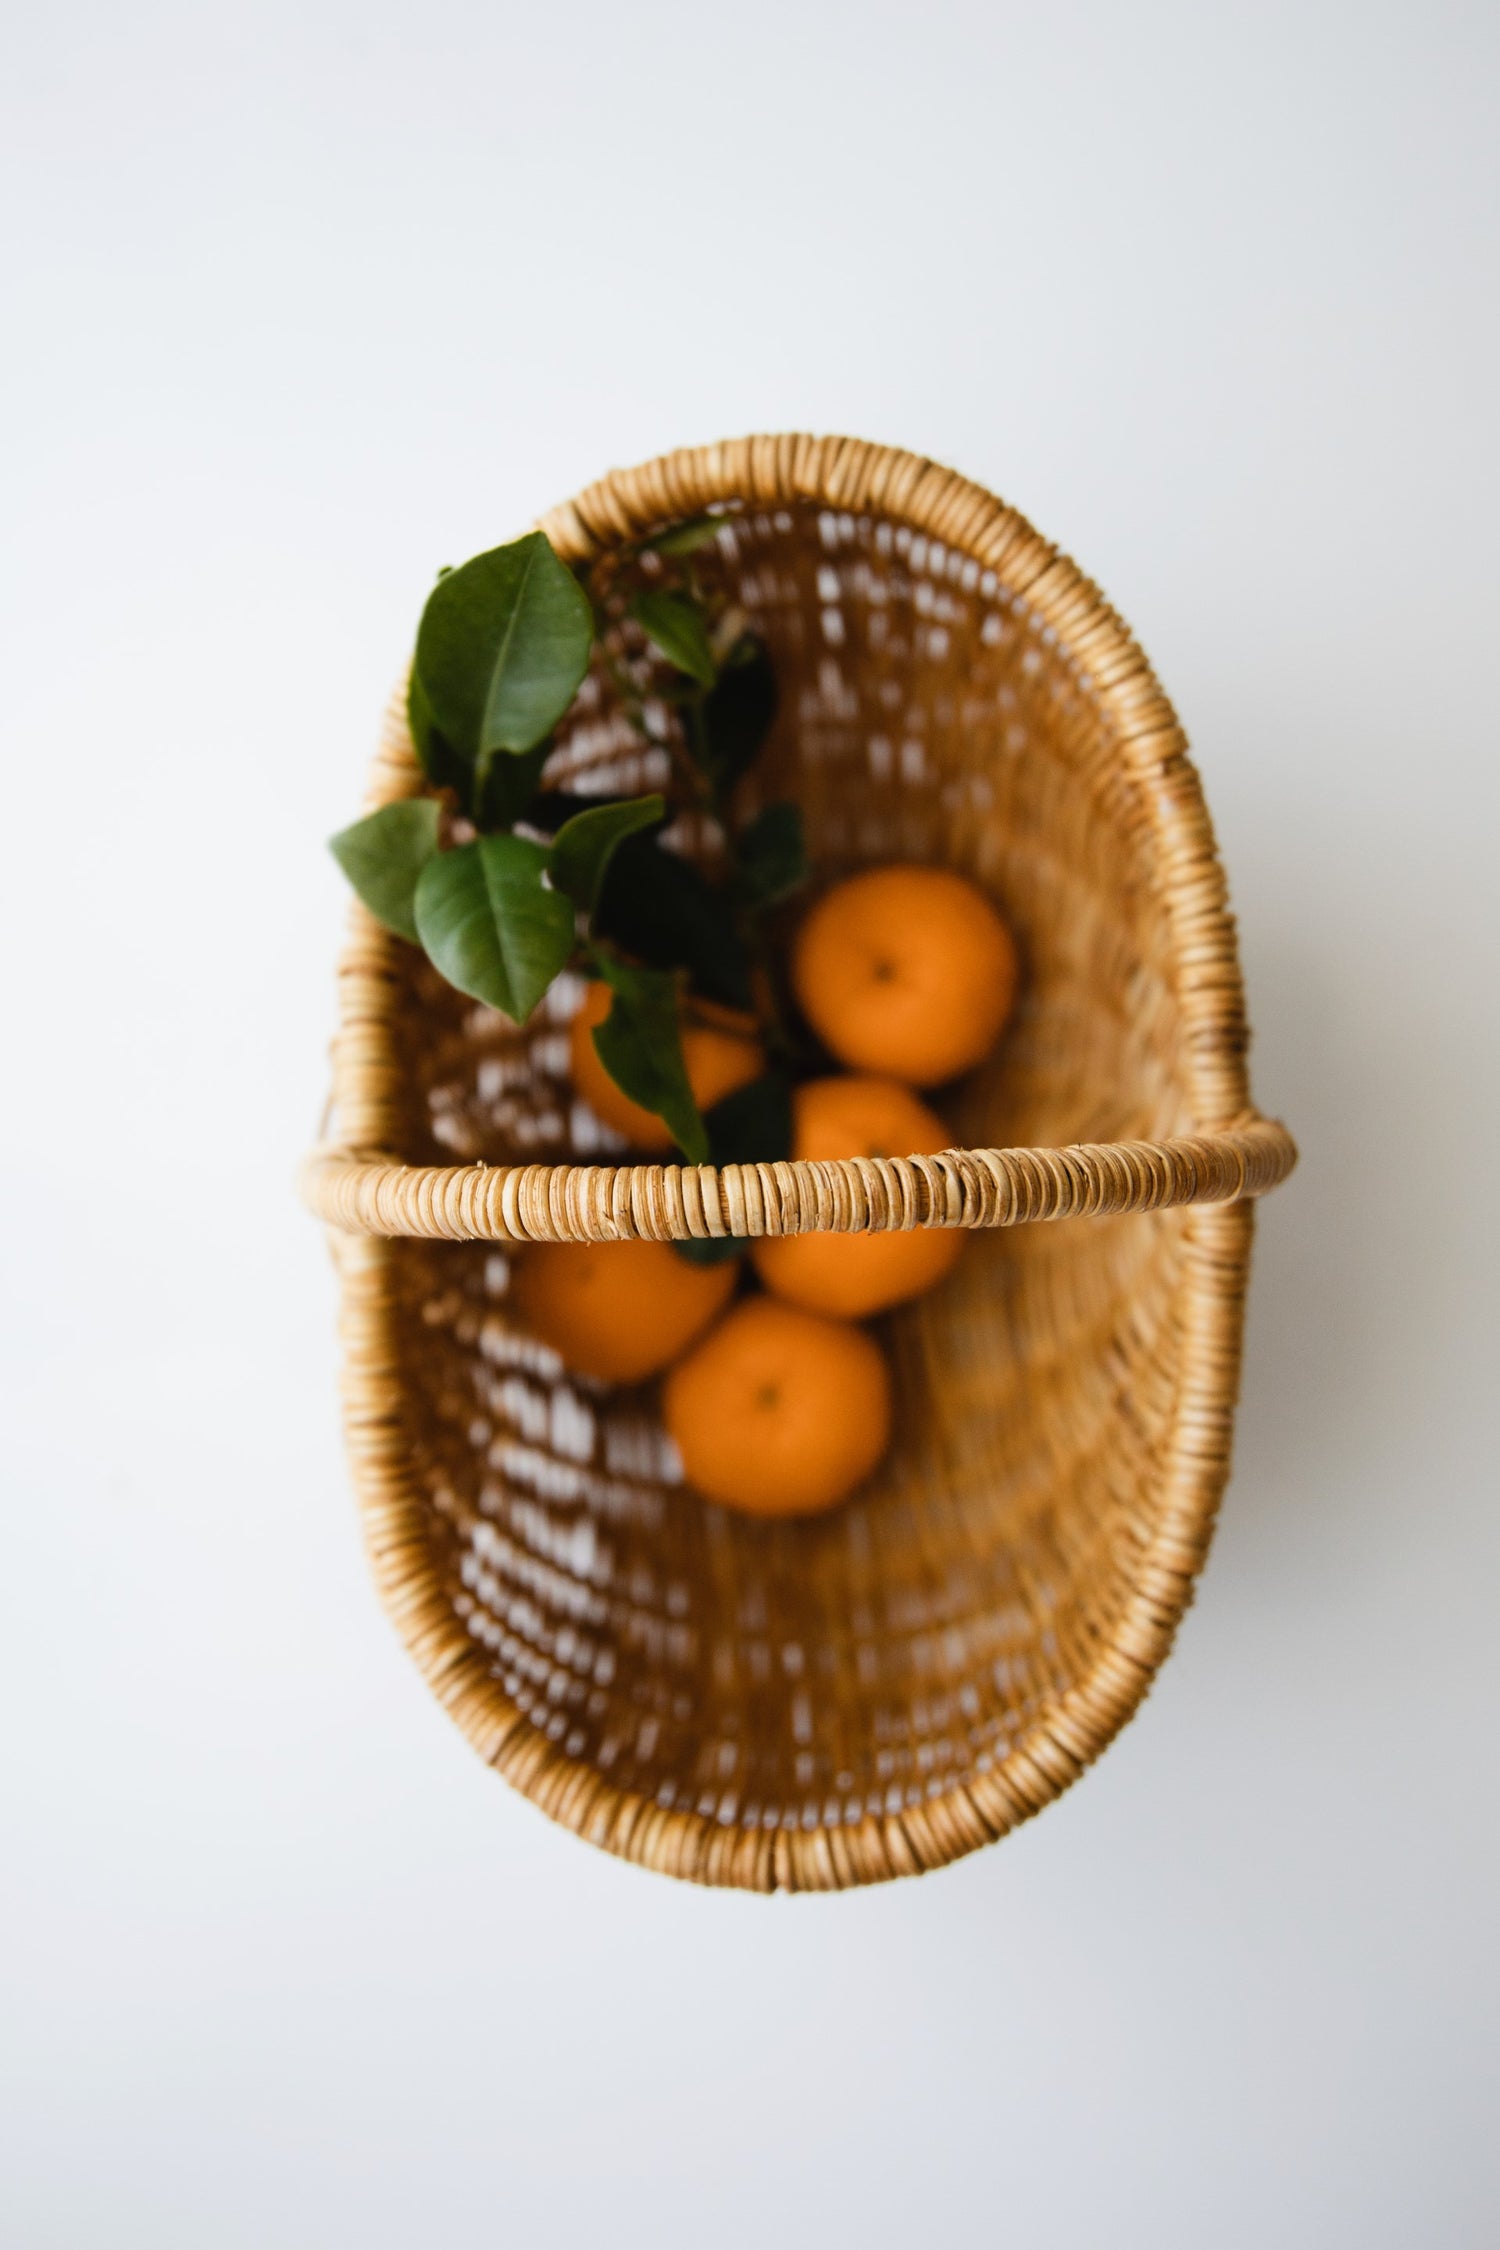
{"x":305,"y":301}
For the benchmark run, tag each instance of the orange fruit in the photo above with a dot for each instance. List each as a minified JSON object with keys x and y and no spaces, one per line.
{"x":850,"y":1275}
{"x":906,"y":971}
{"x":618,"y":1310}
{"x":719,"y":1048}
{"x":779,"y":1411}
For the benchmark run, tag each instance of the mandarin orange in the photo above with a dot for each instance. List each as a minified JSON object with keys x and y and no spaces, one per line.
{"x":719,"y":1048}
{"x":778,"y":1411}
{"x":617,"y":1310}
{"x":851,"y":1275}
{"x":905,"y":971}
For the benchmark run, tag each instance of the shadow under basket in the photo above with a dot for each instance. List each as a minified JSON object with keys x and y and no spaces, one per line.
{"x":837,"y":1700}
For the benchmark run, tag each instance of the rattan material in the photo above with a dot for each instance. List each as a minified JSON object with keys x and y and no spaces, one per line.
{"x":869,"y":1694}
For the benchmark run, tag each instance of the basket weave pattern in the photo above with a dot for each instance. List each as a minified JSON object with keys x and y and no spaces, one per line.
{"x":838,"y":1700}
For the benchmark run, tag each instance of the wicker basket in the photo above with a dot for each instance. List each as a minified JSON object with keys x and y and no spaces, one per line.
{"x":842,"y":1699}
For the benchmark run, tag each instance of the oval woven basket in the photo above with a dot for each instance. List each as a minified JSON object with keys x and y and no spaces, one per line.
{"x":836,"y":1700}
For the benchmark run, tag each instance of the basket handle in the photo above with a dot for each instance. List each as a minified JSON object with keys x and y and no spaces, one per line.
{"x":371,"y":1192}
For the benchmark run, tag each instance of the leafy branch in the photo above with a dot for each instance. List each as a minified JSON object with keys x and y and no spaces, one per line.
{"x":504,"y":884}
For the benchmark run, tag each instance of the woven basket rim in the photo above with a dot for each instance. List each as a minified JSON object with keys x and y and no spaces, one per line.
{"x":1236,"y":1155}
{"x":362,"y":1191}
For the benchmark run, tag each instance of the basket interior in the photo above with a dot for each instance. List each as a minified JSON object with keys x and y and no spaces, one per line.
{"x":809,"y":1673}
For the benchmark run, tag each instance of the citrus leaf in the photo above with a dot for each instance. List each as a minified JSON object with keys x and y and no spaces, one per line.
{"x":772,"y":854}
{"x":711,"y":1249}
{"x":502,"y":647}
{"x":383,"y":856}
{"x":439,"y":761}
{"x":505,"y":784}
{"x":640,"y":1045}
{"x":687,"y":537}
{"x":736,"y":717}
{"x":551,"y":807}
{"x":584,"y":846}
{"x":495,"y":789}
{"x":656,"y":905}
{"x":419,"y":715}
{"x":679,"y":630}
{"x":753,"y":1125}
{"x":490,"y":925}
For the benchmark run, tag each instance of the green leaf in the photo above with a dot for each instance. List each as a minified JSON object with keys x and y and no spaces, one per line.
{"x":736,"y":717}
{"x":383,"y":856}
{"x":772,"y":853}
{"x":656,"y":905}
{"x":439,"y":761}
{"x":687,"y":537}
{"x":505,"y":785}
{"x":753,"y":1125}
{"x":419,"y":715}
{"x":640,"y":1046}
{"x":502,"y":647}
{"x":551,"y":807}
{"x":584,"y":846}
{"x":680,"y":631}
{"x":491,"y":926}
{"x":712,"y":1249}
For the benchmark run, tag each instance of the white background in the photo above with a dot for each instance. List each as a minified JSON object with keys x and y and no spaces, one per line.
{"x":305,"y":300}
